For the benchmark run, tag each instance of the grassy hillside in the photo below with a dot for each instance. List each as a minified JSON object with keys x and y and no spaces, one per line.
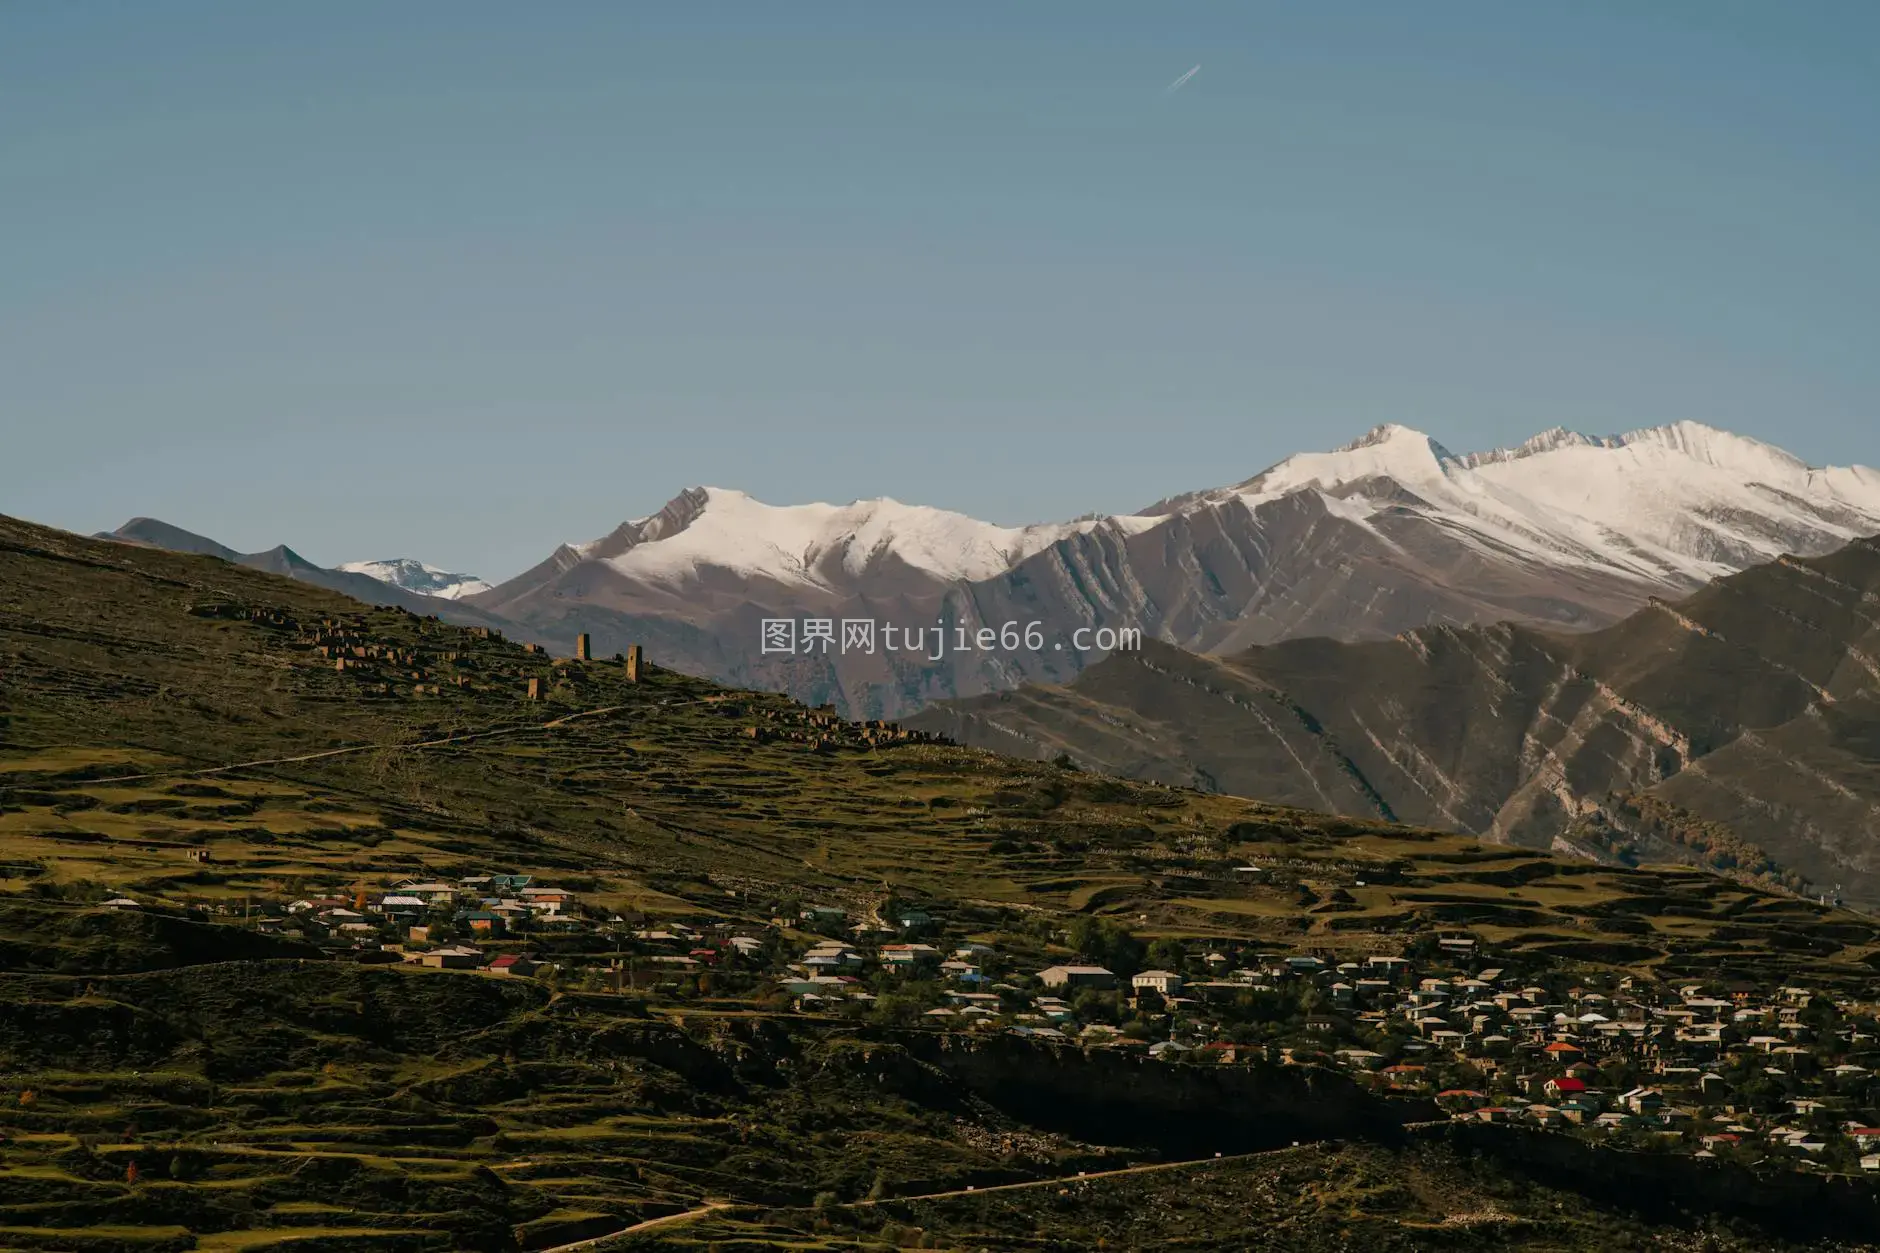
{"x":180,"y":730}
{"x":159,"y":704}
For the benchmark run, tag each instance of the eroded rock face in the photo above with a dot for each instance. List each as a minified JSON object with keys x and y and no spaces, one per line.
{"x":1219,"y":577}
{"x":1104,"y":1096}
{"x":1752,"y":707}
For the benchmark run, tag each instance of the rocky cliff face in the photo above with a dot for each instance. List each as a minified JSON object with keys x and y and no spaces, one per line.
{"x":1107,"y":1097}
{"x":1799,"y":1206}
{"x":1748,"y":712}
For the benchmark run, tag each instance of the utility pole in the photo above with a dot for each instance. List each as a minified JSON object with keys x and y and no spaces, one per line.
{"x":618,"y":920}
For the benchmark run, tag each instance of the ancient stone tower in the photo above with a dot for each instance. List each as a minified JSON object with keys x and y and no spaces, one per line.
{"x":581,"y":652}
{"x":535,"y":689}
{"x":633,"y":663}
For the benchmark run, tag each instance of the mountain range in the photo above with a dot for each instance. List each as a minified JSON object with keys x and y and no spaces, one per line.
{"x":1389,"y":533}
{"x":1639,"y":647}
{"x":1738,"y":728}
{"x":363,"y":581}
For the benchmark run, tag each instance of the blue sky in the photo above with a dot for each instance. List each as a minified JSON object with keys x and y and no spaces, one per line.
{"x":463,"y":280}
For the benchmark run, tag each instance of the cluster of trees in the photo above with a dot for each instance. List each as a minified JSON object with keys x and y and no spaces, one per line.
{"x":1714,"y":844}
{"x":1107,"y":944}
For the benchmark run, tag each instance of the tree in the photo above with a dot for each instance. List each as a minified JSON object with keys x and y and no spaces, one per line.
{"x":1166,"y":954}
{"x":1107,"y":944}
{"x":1093,"y":1005}
{"x":897,"y":1008}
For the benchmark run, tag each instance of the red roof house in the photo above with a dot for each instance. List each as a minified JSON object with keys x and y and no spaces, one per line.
{"x":513,"y":964}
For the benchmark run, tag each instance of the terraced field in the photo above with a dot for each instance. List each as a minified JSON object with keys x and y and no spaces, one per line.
{"x":943,"y":824}
{"x":244,"y":1104}
{"x":183,"y":731}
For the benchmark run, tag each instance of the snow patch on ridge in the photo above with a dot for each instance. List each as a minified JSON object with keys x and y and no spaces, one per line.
{"x":1391,"y":451}
{"x":416,"y":576}
{"x":815,"y":544}
{"x":1682,"y":503}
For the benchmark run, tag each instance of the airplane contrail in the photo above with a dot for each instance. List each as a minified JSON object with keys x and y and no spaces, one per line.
{"x":1180,"y":82}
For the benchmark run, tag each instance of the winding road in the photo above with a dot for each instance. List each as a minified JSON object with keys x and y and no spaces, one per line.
{"x":685,"y":1216}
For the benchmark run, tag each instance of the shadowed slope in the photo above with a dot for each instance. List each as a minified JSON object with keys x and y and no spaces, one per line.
{"x":1754,"y":704}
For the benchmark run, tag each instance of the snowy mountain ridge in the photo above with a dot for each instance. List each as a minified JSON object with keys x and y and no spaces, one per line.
{"x":416,"y":576}
{"x":1677,"y":505}
{"x":1390,"y":533}
{"x":1673,"y":505}
{"x":1681,"y":504}
{"x":818,"y":545}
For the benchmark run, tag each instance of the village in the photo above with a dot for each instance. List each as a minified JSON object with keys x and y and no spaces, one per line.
{"x":1782,"y":1075}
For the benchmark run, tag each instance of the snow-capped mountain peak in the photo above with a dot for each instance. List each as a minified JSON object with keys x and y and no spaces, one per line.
{"x":1680,"y":503}
{"x":819,"y":545}
{"x":1389,"y":451}
{"x":1389,"y":533}
{"x":1670,"y":506}
{"x":1406,"y":440}
{"x":416,"y":576}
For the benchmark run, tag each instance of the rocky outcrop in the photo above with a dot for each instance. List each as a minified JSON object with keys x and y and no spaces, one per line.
{"x":1103,"y":1096}
{"x":1677,"y":1186}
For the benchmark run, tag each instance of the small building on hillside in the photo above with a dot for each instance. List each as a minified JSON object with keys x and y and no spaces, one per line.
{"x":546,"y":900}
{"x":1077,"y":977}
{"x":908,"y":956}
{"x":1166,"y":982}
{"x":514,"y":964}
